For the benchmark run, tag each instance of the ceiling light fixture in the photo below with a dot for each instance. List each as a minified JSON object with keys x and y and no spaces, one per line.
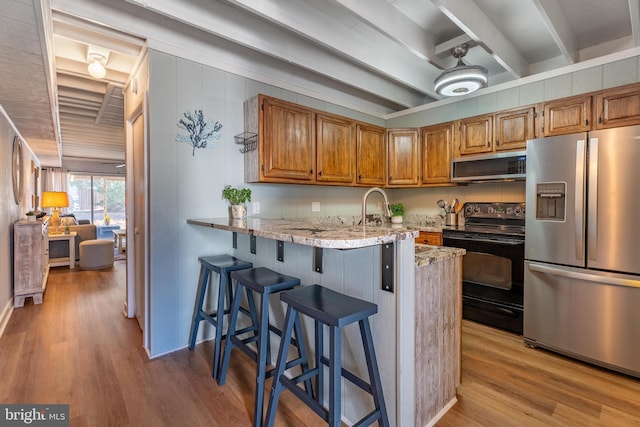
{"x":462,"y":78}
{"x":97,"y":58}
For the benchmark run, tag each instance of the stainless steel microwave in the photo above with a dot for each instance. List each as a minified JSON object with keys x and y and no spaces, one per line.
{"x":506,"y":166}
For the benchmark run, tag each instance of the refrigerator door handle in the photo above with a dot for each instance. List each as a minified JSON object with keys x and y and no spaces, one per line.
{"x":579,"y":275}
{"x":592,"y":226}
{"x":579,"y":200}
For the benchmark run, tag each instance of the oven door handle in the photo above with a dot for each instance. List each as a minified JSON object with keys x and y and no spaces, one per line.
{"x":472,"y":239}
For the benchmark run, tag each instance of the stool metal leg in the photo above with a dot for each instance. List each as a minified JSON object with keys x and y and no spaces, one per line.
{"x":335,"y":375}
{"x":197,"y":309}
{"x":276,"y":385}
{"x":374,"y":375}
{"x":228,"y":345}
{"x":224,"y":279}
{"x":262,"y":360}
{"x":319,"y":349}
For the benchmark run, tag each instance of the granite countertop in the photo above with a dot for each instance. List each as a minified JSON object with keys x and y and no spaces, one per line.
{"x":310,"y":232}
{"x":427,"y":254}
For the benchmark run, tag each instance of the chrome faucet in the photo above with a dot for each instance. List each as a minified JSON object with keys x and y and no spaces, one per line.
{"x":387,"y":210}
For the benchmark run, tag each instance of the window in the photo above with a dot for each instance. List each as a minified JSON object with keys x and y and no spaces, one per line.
{"x":99,"y":199}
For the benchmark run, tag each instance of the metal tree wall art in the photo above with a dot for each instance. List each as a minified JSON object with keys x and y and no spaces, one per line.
{"x":199,"y":131}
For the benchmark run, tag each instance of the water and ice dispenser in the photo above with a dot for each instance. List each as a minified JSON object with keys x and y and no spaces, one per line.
{"x":551,"y":201}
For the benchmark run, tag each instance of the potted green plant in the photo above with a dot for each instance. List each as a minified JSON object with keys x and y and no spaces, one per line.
{"x":237,"y":197}
{"x":397,"y":212}
{"x":31,"y":216}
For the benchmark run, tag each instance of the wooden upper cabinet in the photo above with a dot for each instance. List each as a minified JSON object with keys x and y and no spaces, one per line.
{"x":476,"y":135}
{"x":371,"y":155}
{"x":403,"y":155}
{"x":618,"y":107}
{"x":335,"y":149}
{"x":513,"y":128}
{"x":287,"y":141}
{"x":569,"y":115}
{"x":437,"y":143}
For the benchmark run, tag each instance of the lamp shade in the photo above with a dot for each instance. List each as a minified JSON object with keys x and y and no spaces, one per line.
{"x":55,"y":199}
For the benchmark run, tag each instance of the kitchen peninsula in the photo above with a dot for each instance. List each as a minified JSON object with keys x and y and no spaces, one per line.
{"x":417,"y":328}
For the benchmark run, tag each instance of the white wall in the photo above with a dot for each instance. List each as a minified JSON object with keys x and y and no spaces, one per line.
{"x":10,"y":212}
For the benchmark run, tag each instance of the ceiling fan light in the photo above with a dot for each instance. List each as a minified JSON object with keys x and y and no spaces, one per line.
{"x":461,"y":79}
{"x":97,"y":70}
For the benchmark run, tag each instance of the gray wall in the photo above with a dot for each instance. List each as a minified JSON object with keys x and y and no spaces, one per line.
{"x":10,"y":212}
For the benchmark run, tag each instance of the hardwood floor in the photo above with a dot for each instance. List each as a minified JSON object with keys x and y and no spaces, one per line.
{"x":77,"y":348}
{"x":505,"y":383}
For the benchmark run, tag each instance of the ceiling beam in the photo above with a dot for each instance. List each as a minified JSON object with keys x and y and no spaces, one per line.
{"x":473,"y":21}
{"x":380,"y":56}
{"x":634,"y":9}
{"x":555,"y":21}
{"x":387,"y":19}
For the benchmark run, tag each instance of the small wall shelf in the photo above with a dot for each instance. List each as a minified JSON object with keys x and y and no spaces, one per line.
{"x":249,"y":141}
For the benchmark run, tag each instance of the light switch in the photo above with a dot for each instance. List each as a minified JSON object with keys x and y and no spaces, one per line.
{"x":256,"y":207}
{"x":315,"y":206}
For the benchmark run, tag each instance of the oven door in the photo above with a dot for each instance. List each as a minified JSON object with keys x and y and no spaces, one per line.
{"x":492,"y":277}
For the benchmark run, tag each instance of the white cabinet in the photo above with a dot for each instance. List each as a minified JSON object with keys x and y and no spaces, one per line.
{"x":30,"y":261}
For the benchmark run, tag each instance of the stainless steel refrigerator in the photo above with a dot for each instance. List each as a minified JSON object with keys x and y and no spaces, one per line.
{"x":582,"y":248}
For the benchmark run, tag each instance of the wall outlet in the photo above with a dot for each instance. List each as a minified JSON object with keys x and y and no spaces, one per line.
{"x":255,"y":207}
{"x":315,"y":206}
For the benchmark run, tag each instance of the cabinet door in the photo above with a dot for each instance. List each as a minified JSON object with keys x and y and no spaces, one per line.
{"x":476,"y":135}
{"x":288,"y":149}
{"x":513,"y":129}
{"x":436,"y":153}
{"x":403,"y":157}
{"x":335,"y":149}
{"x":618,"y":107}
{"x":567,"y":116}
{"x":371,"y":156}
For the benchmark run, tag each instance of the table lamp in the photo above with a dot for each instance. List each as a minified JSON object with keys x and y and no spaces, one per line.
{"x":55,"y":200}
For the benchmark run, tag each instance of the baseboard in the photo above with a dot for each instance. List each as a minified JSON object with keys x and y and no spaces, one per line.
{"x":6,"y":315}
{"x":442,"y":412}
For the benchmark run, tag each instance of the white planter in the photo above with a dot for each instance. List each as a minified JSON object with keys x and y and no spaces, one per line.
{"x":238,"y":211}
{"x":31,"y":218}
{"x":396,"y":219}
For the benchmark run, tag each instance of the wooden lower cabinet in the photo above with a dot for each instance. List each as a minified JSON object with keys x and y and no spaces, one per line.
{"x":30,"y":261}
{"x":430,"y":238}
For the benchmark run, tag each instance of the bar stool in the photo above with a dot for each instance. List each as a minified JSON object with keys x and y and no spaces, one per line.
{"x":335,"y":310}
{"x":265,"y":282}
{"x":223,"y":265}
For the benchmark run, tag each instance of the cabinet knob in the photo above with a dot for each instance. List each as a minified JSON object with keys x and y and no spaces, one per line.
{"x":359,"y":176}
{"x":599,"y":119}
{"x":497,"y":142}
{"x":320,"y":173}
{"x":311,"y":172}
{"x":488,"y":143}
{"x":586,"y":122}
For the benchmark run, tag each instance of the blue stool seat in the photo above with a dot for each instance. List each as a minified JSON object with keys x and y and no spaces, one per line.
{"x":335,"y":310}
{"x":223,"y":265}
{"x":264,"y":282}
